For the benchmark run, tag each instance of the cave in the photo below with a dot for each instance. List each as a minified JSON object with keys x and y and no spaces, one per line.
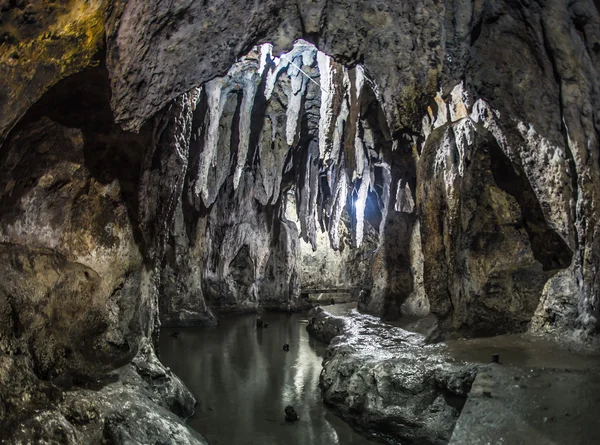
{"x":311,"y":222}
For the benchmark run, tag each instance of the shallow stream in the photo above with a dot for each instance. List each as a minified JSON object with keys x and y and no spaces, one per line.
{"x":243,"y":380}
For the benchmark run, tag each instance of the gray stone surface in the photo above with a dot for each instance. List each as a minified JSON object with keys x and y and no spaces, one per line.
{"x":489,"y":254}
{"x":530,"y":406}
{"x":155,"y":55}
{"x":133,"y":405}
{"x":324,"y":326}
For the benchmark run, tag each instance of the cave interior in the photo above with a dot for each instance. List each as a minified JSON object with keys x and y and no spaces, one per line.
{"x":403,"y":196}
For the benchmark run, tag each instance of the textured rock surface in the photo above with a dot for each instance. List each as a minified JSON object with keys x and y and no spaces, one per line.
{"x":77,"y":302}
{"x":326,"y":268}
{"x":323,"y":325}
{"x":256,"y":184}
{"x":497,"y":251}
{"x":387,"y":383}
{"x":40,"y":43}
{"x":134,"y":404}
{"x":542,"y":406}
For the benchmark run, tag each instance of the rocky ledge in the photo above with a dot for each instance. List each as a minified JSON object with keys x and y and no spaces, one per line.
{"x":139,"y":403}
{"x":387,"y":382}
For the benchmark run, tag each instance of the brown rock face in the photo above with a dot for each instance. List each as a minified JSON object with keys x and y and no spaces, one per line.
{"x":76,"y":301}
{"x":494,"y":251}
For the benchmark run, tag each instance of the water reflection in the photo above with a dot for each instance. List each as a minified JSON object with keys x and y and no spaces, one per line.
{"x":243,"y":381}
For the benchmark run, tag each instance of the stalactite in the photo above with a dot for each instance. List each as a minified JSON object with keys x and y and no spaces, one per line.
{"x":314,"y":192}
{"x":340,"y":133}
{"x":301,"y":49}
{"x":328,"y":92}
{"x":360,"y":205}
{"x":385,"y":196}
{"x":404,"y":200}
{"x":340,"y":125}
{"x":266,"y":54}
{"x":298,"y":88}
{"x":340,"y":197}
{"x":216,"y":102}
{"x":360,"y":157}
{"x":250,"y":84}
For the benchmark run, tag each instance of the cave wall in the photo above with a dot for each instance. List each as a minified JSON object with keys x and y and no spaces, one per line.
{"x":326,"y":268}
{"x":66,"y":233}
{"x":432,"y":47}
{"x":267,"y":166}
{"x":77,"y":301}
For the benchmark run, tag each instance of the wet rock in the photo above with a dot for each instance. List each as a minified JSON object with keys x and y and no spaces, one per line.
{"x":138,"y":406}
{"x":388,"y":384}
{"x":77,"y":305}
{"x":468,"y":183}
{"x":286,"y":347}
{"x":290,"y":414}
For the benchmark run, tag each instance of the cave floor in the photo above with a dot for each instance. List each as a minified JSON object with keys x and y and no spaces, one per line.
{"x":536,"y":406}
{"x":541,"y":393}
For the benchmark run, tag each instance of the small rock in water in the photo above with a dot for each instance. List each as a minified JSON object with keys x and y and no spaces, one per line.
{"x":332,"y":301}
{"x":175,"y":334}
{"x":290,"y":414}
{"x":495,"y":358}
{"x":286,"y":347}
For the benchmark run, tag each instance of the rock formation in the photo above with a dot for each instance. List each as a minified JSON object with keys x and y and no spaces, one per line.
{"x":171,"y":161}
{"x":386,"y":382}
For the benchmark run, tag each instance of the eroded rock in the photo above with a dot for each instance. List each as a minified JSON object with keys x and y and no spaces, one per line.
{"x":387,"y":383}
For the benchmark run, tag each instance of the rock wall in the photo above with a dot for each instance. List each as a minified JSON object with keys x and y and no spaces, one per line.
{"x":266,"y":168}
{"x":325,"y":268}
{"x":77,"y":304}
{"x":496,"y":250}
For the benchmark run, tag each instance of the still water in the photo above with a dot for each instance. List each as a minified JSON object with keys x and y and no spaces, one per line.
{"x":243,"y":380}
